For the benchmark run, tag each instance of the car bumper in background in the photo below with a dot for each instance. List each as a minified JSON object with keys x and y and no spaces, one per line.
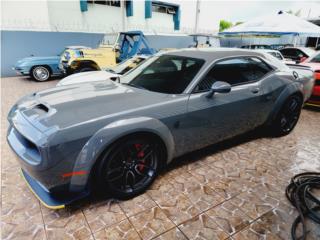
{"x":21,"y":71}
{"x":314,"y":100}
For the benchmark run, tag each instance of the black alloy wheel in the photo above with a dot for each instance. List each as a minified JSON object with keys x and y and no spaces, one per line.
{"x":129,"y":167}
{"x":288,"y":116}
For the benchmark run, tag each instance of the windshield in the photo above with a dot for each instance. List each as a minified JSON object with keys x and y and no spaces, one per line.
{"x":165,"y":74}
{"x":315,"y":59}
{"x":127,"y":65}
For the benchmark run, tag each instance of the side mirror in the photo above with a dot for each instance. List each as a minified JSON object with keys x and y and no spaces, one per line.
{"x":219,"y":87}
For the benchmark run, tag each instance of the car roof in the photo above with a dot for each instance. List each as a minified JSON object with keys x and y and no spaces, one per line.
{"x":211,"y":54}
{"x":268,"y":50}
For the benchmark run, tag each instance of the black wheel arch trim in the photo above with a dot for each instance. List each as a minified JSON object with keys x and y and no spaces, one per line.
{"x":108,"y":135}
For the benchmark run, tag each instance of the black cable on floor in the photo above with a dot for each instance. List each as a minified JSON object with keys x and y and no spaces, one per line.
{"x":299,"y":193}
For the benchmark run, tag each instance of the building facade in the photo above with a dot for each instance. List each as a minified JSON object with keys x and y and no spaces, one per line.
{"x":101,"y":16}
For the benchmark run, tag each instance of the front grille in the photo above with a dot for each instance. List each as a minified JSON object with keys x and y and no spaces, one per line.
{"x":32,"y":152}
{"x":317,"y":83}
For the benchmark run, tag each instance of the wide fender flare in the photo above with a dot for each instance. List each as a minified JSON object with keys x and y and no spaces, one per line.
{"x":291,"y":89}
{"x":104,"y":137}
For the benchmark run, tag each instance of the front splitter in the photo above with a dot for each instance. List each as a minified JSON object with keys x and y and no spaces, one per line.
{"x":46,"y":198}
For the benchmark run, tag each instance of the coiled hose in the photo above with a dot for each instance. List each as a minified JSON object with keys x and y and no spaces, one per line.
{"x":299,"y":193}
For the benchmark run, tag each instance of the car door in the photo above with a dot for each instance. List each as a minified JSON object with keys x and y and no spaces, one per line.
{"x":228,"y":114}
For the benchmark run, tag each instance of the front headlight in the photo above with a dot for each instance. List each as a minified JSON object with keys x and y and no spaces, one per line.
{"x":67,"y":56}
{"x":78,"y":54}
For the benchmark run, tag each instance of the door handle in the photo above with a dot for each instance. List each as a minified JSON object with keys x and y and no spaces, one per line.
{"x":255,"y":90}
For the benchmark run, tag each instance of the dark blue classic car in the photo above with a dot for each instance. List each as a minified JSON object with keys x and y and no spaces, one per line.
{"x":41,"y":68}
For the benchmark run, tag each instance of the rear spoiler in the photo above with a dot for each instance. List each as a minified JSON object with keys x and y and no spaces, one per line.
{"x":299,"y":66}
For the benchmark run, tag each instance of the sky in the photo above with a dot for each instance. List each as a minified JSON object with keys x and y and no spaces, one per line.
{"x":211,"y":12}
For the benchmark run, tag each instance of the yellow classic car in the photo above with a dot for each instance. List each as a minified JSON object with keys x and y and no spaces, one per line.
{"x":127,"y":45}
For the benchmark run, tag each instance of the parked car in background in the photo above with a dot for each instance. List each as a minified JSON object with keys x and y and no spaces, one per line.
{"x":106,"y":74}
{"x":117,"y":136}
{"x":126,"y":45}
{"x":42,"y":68}
{"x":297,"y":54}
{"x":314,"y":63}
{"x":278,"y":55}
{"x":256,"y":46}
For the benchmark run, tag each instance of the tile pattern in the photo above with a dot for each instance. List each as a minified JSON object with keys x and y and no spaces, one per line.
{"x":233,"y":190}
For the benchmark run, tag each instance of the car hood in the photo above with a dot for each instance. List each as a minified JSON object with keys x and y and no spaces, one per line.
{"x":78,"y":104}
{"x":83,"y":77}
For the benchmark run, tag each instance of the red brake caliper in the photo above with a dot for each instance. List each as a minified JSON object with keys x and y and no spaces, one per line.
{"x":140,"y":155}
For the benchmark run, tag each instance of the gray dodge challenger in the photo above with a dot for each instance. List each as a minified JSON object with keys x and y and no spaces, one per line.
{"x":115,"y":136}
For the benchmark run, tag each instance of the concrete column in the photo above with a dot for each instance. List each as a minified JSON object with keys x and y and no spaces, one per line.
{"x":197,"y":17}
{"x":123,"y":15}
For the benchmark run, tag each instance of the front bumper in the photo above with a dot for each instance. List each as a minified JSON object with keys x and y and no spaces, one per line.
{"x":314,"y":100}
{"x":21,"y":70}
{"x":56,"y":201}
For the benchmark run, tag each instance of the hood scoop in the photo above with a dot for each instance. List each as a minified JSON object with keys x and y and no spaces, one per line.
{"x":41,"y":108}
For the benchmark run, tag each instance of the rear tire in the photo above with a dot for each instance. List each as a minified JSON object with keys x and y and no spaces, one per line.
{"x":40,"y":73}
{"x":287,"y":117}
{"x":129,"y":166}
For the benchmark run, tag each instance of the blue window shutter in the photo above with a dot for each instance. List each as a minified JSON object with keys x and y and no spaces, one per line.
{"x":176,"y":19}
{"x":129,"y":8}
{"x":148,"y":9}
{"x":83,"y":5}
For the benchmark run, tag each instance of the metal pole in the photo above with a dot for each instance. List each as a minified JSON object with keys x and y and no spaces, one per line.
{"x":317,"y":41}
{"x":197,"y":17}
{"x":123,"y":15}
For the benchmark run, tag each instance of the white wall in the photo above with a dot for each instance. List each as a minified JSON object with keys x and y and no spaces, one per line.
{"x":65,"y":16}
{"x":24,"y":15}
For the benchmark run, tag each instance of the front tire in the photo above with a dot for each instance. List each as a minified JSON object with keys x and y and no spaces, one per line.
{"x":40,"y":73}
{"x":129,"y":166}
{"x":287,"y":117}
{"x":85,"y":69}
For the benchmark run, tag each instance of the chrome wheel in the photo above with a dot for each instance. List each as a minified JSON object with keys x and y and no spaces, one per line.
{"x":40,"y":73}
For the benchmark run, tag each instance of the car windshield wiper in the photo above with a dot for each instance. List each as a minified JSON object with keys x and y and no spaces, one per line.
{"x":134,"y":85}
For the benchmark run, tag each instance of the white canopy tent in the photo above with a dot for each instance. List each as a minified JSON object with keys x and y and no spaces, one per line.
{"x":279,"y":24}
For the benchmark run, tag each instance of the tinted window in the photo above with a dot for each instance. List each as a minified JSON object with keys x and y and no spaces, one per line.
{"x":293,"y":53}
{"x":289,"y":52}
{"x":127,"y":65}
{"x":168,"y":74}
{"x":235,"y":71}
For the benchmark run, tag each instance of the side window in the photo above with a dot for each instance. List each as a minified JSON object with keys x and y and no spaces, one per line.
{"x":234,"y":71}
{"x":301,"y":54}
{"x":288,"y":52}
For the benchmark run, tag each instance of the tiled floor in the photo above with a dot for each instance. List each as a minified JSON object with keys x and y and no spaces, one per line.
{"x":232,"y":190}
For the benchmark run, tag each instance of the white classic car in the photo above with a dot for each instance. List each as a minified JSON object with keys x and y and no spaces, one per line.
{"x":105,"y":74}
